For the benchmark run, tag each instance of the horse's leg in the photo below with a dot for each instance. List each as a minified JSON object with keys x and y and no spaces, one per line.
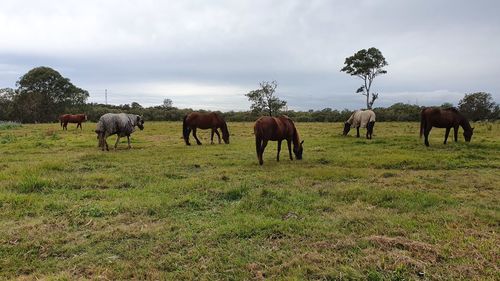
{"x":117,"y":140}
{"x":218,"y":135}
{"x":426,"y":134}
{"x":369,"y":130}
{"x":262,"y":147}
{"x":186,"y":139}
{"x":212,"y":137}
{"x":105,"y":142}
{"x":196,"y":137}
{"x":357,"y":129}
{"x":128,"y":141}
{"x":455,"y":133}
{"x":446,"y":134}
{"x":279,"y":149}
{"x":289,"y":144}
{"x":99,"y":137}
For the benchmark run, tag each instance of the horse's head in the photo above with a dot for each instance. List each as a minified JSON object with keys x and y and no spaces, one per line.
{"x":298,"y":151}
{"x":468,"y":134}
{"x":347,"y":128}
{"x":140,"y":122}
{"x":225,"y":133}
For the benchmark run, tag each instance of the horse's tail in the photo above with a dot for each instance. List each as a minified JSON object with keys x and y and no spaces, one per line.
{"x":258,"y":141}
{"x":422,"y":123}
{"x":185,"y":129}
{"x":258,"y":137}
{"x":372,"y":117}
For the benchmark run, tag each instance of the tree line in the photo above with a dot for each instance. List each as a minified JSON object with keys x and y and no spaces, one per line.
{"x":43,"y":94}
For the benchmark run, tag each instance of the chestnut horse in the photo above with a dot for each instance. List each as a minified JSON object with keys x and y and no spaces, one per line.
{"x":277,"y":129}
{"x":72,"y":118}
{"x":198,"y":120}
{"x":444,"y":118}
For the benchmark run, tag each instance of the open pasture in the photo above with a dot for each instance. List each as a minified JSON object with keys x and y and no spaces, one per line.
{"x":386,"y":208}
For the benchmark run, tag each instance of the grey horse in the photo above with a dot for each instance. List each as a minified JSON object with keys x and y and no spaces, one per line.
{"x":120,"y":124}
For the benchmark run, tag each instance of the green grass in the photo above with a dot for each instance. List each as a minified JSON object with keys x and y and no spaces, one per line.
{"x":385,"y":209}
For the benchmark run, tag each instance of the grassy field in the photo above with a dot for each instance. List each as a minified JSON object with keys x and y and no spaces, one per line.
{"x":385,"y":209}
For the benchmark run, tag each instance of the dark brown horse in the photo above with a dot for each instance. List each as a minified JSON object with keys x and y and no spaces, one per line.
{"x":277,"y":129}
{"x":444,"y":118}
{"x":72,"y":118}
{"x":197,"y":120}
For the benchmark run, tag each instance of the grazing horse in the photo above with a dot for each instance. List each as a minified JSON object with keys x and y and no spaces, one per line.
{"x":72,"y":118}
{"x":204,"y":121}
{"x":361,"y":118}
{"x":277,"y":129}
{"x":121,"y":124}
{"x":444,"y":118}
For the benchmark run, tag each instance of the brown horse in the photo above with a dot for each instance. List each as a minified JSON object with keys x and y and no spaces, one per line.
{"x":198,"y":120}
{"x":277,"y":129}
{"x":72,"y":118}
{"x":444,"y":118}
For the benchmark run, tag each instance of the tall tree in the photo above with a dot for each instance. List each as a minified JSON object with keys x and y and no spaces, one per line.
{"x":43,"y":94}
{"x":264,"y":100}
{"x":366,"y":64}
{"x":477,"y":106}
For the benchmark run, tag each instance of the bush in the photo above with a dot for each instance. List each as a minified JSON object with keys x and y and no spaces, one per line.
{"x":7,"y":125}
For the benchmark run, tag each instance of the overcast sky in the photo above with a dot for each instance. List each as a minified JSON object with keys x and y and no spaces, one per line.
{"x":208,"y":54}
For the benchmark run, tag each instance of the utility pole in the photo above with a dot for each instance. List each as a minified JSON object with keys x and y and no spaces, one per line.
{"x":106,"y":96}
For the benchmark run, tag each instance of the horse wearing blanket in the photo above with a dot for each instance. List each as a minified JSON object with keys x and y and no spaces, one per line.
{"x":361,"y":118}
{"x":120,"y":124}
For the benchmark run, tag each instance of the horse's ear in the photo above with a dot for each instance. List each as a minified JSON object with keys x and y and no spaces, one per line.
{"x":302,"y":142}
{"x":472,"y":129}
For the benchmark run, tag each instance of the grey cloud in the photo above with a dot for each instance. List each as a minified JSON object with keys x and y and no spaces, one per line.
{"x":437,"y":50}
